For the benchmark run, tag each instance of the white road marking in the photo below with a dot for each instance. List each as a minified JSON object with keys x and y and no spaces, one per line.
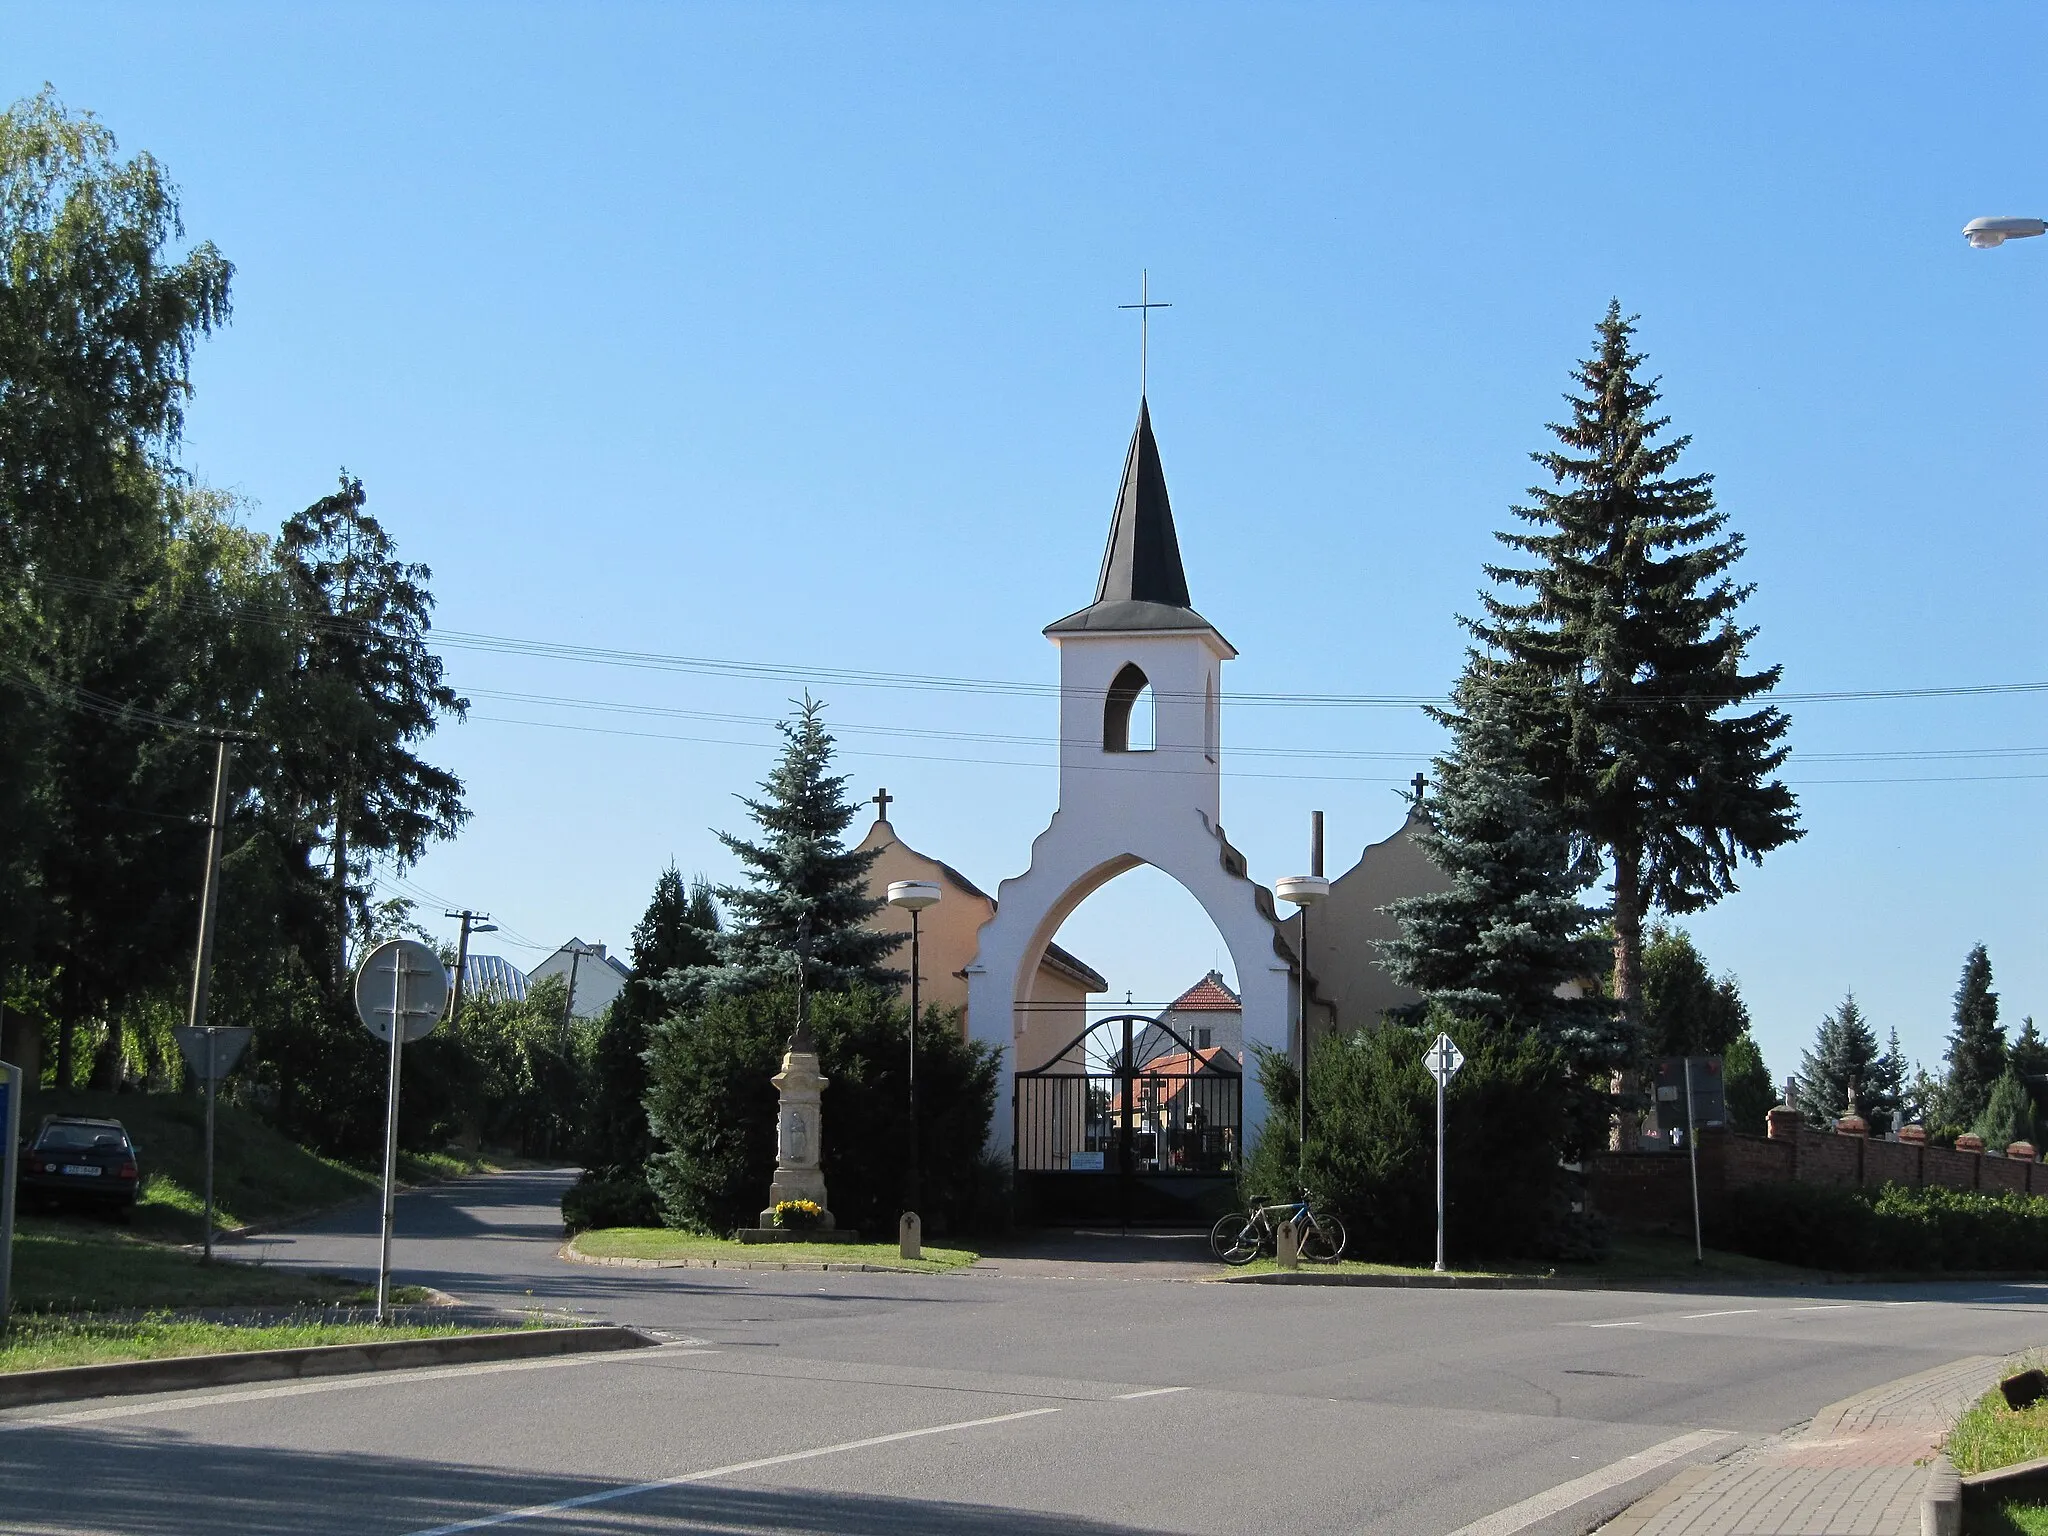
{"x":1830,"y":1306}
{"x":1125,"y":1397}
{"x":606,"y":1495}
{"x":200,"y":1397}
{"x":1639,"y":1322}
{"x":1693,"y":1317}
{"x":1555,"y":1501}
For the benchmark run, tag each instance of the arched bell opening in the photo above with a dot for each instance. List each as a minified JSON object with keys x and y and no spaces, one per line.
{"x":1129,"y":712}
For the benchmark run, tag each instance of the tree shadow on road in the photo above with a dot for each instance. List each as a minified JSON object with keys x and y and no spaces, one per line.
{"x":77,"y":1480}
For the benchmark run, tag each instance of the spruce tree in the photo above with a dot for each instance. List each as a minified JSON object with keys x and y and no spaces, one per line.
{"x":800,"y":871}
{"x":670,"y":937}
{"x":2008,"y":1114}
{"x":2028,"y":1056}
{"x":1976,"y":1049}
{"x":1623,"y":633}
{"x":1844,"y":1051}
{"x":1889,"y":1080}
{"x":1512,"y":928}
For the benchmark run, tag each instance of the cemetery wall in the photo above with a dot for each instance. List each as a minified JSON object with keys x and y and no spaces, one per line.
{"x":1653,"y":1190}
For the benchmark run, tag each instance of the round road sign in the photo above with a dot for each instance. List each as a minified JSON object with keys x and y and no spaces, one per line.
{"x":402,"y":974}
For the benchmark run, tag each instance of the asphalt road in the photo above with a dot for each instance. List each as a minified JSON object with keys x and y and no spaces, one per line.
{"x":1048,"y":1394}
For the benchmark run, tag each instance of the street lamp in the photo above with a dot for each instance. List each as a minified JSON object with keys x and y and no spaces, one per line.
{"x":1986,"y":233}
{"x":913,"y":896}
{"x":1304,"y":891}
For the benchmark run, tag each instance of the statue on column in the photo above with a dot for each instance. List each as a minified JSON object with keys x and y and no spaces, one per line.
{"x":799,"y":1123}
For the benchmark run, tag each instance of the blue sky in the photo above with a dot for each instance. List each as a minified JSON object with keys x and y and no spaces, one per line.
{"x":788,"y":334}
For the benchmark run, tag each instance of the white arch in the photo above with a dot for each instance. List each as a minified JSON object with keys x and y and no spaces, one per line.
{"x":1069,"y":863}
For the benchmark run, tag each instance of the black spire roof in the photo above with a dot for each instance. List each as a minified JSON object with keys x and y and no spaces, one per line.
{"x":1142,"y":585}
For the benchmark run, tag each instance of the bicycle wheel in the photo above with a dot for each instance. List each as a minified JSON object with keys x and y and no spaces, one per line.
{"x":1322,"y":1239}
{"x":1235,"y":1239}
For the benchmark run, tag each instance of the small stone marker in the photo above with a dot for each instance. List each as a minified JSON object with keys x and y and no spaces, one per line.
{"x":1287,"y":1245}
{"x":910,"y":1236}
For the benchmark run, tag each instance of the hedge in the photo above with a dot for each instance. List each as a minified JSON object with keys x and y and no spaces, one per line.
{"x":1898,"y":1227}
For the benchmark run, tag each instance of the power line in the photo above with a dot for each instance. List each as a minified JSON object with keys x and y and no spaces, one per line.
{"x":858,"y":677}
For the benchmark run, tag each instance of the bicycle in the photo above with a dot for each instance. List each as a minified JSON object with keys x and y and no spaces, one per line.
{"x":1238,"y":1239}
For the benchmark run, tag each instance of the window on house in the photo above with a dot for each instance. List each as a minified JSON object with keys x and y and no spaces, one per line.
{"x":1128,"y":723}
{"x":1204,"y":1038}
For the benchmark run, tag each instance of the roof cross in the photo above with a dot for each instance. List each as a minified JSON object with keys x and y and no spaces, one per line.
{"x":881,"y":802}
{"x":1144,"y":307}
{"x":1420,"y":784}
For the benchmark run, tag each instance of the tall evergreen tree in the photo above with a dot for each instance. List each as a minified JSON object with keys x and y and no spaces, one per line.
{"x":1976,"y":1049}
{"x":1623,"y":634}
{"x":1844,"y":1052}
{"x":671,"y":937}
{"x":801,"y":869}
{"x":1512,"y":928}
{"x":1890,"y":1078}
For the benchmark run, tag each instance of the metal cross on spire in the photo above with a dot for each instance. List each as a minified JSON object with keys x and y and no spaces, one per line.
{"x":881,"y":798}
{"x":1144,"y":307}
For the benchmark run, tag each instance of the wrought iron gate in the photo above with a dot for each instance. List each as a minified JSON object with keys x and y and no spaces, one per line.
{"x":1128,"y":1123}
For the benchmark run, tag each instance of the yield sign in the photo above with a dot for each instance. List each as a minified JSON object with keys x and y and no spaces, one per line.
{"x":1443,"y":1060}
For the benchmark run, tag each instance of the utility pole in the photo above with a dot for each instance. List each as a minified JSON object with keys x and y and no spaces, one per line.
{"x":472,"y":922}
{"x":209,"y":892}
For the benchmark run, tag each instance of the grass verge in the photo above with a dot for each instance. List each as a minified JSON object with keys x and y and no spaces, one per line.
{"x":2008,"y":1519}
{"x":259,"y":1174}
{"x":36,"y":1343}
{"x":1989,"y":1434}
{"x":665,"y":1243}
{"x":82,"y":1266}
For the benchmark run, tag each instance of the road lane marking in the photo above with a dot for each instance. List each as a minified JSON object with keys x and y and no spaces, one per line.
{"x":200,"y":1397}
{"x":1555,"y":1501}
{"x":1125,"y":1397}
{"x":605,"y":1496}
{"x":1693,"y":1317}
{"x":1638,"y":1323}
{"x":1828,"y":1306}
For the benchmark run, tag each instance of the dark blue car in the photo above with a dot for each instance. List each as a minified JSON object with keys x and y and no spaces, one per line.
{"x":74,"y":1161}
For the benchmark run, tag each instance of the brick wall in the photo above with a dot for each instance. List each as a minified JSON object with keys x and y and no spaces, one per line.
{"x":1653,"y":1190}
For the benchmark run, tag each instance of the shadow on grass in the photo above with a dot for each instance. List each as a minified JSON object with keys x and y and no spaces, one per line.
{"x":153,"y":1484}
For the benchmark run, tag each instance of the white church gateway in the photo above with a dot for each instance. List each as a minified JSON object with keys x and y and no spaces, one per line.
{"x":1131,"y":797}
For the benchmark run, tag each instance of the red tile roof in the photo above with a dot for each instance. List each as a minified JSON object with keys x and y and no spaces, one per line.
{"x":1209,"y":995}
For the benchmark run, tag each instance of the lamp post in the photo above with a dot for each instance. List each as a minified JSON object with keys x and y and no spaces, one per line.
{"x":1304,"y":891}
{"x":913,"y":896}
{"x":1985,"y":234}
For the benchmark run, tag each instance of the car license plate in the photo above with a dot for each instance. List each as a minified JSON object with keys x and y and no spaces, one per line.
{"x":90,"y":1173}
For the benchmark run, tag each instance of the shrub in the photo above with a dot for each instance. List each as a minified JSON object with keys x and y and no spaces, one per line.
{"x":1372,"y":1142}
{"x":1896,"y":1227}
{"x":712,"y":1106}
{"x":601,"y":1202}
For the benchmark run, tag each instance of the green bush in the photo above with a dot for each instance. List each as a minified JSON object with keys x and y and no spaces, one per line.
{"x":1896,"y":1227}
{"x":601,"y":1202}
{"x":712,"y":1105}
{"x":1372,"y":1142}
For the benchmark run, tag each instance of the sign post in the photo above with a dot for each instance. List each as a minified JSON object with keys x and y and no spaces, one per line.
{"x":211,"y":1051}
{"x":1443,"y":1060}
{"x":401,"y":993}
{"x":1692,"y":1147}
{"x":10,"y":1128}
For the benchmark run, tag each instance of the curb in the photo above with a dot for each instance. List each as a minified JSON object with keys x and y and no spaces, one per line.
{"x":568,"y":1251}
{"x":1397,"y":1282}
{"x":183,"y":1372}
{"x":1941,"y":1501}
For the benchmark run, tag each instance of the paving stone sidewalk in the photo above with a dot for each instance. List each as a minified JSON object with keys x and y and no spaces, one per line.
{"x":1856,"y":1470}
